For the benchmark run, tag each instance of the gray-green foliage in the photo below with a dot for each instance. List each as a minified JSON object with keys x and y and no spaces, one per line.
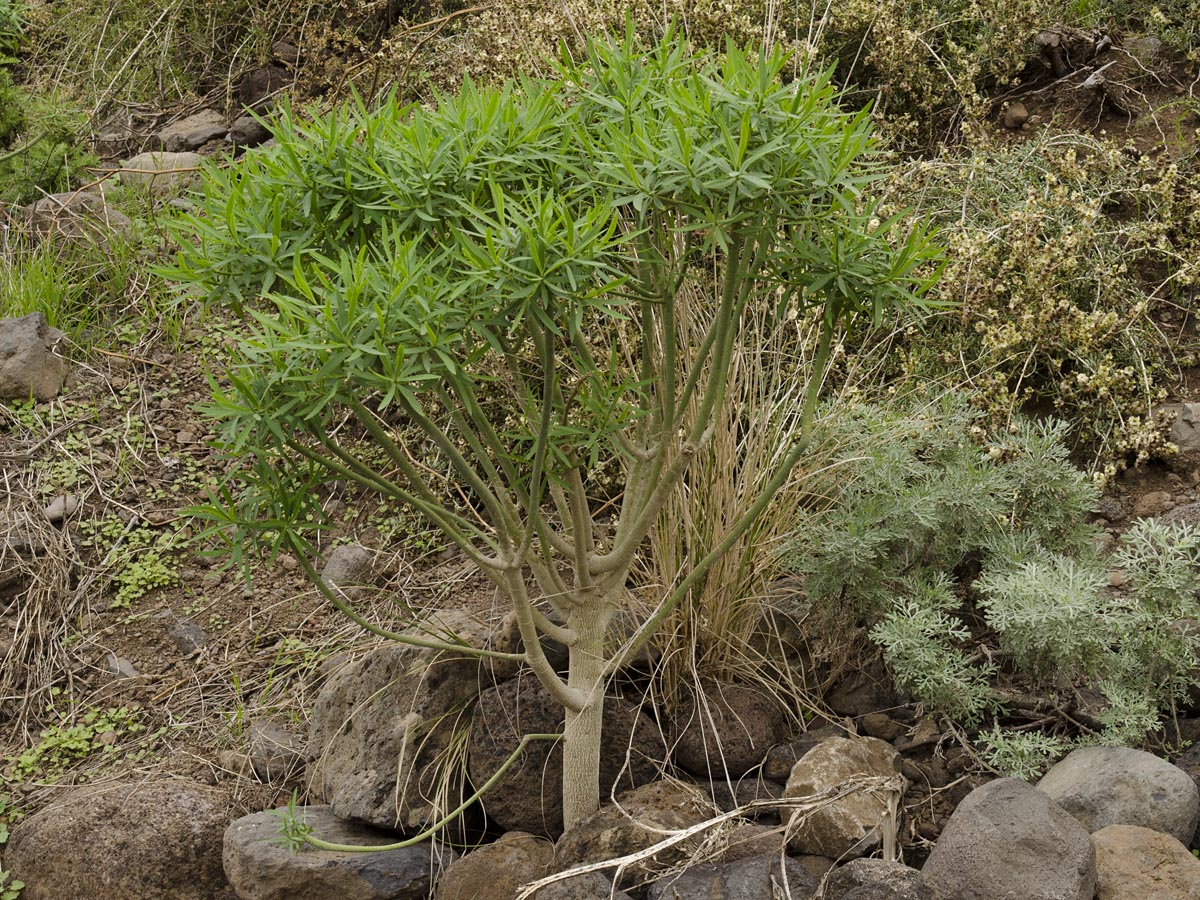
{"x":929,"y":492}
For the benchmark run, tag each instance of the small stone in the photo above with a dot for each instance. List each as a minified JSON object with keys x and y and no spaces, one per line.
{"x":260,"y":86}
{"x":892,"y":880}
{"x":188,"y":636}
{"x":348,"y":565}
{"x":161,"y":173}
{"x":121,"y":667}
{"x":1152,"y":504}
{"x":29,"y":365}
{"x":285,"y":52}
{"x":61,"y":507}
{"x":247,"y":131}
{"x":1015,"y":115}
{"x":275,"y":753}
{"x":75,"y":215}
{"x":193,"y":131}
{"x":879,"y":725}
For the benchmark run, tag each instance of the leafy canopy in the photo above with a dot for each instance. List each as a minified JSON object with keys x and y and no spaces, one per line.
{"x":478,"y":267}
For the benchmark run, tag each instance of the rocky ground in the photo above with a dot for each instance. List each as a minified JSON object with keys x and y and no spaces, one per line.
{"x":155,"y":703}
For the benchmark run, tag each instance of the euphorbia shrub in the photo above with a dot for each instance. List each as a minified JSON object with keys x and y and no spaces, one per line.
{"x":504,"y":275}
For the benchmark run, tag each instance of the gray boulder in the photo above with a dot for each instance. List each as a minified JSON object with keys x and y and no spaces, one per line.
{"x":850,"y":825}
{"x":29,"y":367}
{"x":378,"y":729}
{"x":764,"y":877}
{"x":75,"y":215}
{"x":161,"y":172}
{"x":727,"y":730}
{"x":495,"y":871}
{"x":529,"y":795}
{"x":890,"y":880}
{"x":147,"y":840}
{"x":1134,"y":863}
{"x":1103,"y":786}
{"x":260,"y":868}
{"x":1008,"y":840}
{"x":193,"y":131}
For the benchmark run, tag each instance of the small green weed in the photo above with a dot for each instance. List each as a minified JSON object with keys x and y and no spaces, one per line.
{"x":139,"y":558}
{"x":77,"y":736}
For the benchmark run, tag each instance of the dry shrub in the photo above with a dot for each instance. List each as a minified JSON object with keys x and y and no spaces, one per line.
{"x":1065,"y":254}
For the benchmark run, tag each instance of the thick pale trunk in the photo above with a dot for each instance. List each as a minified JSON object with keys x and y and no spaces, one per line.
{"x":581,"y":734}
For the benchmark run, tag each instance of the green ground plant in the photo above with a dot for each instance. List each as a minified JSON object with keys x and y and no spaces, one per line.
{"x":136,"y":558}
{"x":968,"y":553}
{"x":75,"y":736}
{"x":506,"y":272}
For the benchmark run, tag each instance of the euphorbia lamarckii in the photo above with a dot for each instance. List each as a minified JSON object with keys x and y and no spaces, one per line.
{"x":495,"y":280}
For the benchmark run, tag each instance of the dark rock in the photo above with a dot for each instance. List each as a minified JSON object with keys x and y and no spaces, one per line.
{"x":750,"y":839}
{"x":193,"y":131}
{"x":247,"y":131}
{"x":1008,"y":839}
{"x":76,"y":215}
{"x":261,"y":868}
{"x":495,"y":871}
{"x":188,"y":636}
{"x":727,"y":731}
{"x":529,"y":795}
{"x":850,"y":825}
{"x":868,"y":689}
{"x":730,"y":795}
{"x":638,"y":822}
{"x":276,"y":754}
{"x":882,"y":726}
{"x":286,"y":53}
{"x":892,"y":880}
{"x":378,"y":729}
{"x":757,"y":878}
{"x":262,"y":85}
{"x":131,"y":841}
{"x":777,"y":766}
{"x":1184,"y":514}
{"x":1103,"y":786}
{"x":592,"y":886}
{"x":29,"y":367}
{"x":1111,"y":508}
